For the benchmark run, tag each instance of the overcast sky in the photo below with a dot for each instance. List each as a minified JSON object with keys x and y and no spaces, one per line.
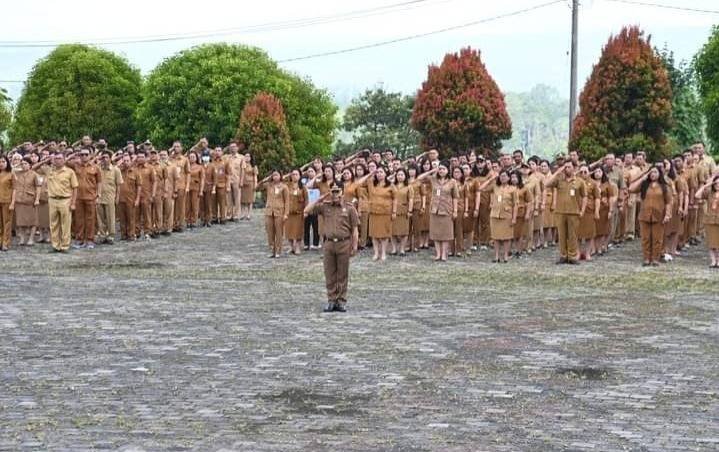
{"x":519,"y":51}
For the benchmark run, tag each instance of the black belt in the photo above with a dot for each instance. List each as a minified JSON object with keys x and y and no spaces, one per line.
{"x":59,"y":197}
{"x":335,"y":240}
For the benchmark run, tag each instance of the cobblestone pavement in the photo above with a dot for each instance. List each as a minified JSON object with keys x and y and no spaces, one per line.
{"x":199,"y":342}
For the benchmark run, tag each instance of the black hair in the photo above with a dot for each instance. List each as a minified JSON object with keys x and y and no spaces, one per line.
{"x":672,"y":173}
{"x":352,"y":173}
{"x":334,"y":176}
{"x":714,"y":181}
{"x":476,"y":172}
{"x":7,"y":163}
{"x":414,"y":167}
{"x":197,"y":156}
{"x":386,"y":179}
{"x":534,"y":159}
{"x":361,"y":165}
{"x":604,"y":178}
{"x":499,"y":176}
{"x":299,"y":181}
{"x":461,"y":171}
{"x":661,"y":181}
{"x":406,"y":176}
{"x":520,"y":184}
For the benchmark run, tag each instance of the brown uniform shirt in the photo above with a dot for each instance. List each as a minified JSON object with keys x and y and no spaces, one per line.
{"x":223,"y":172}
{"x":654,"y":204}
{"x":298,"y":198}
{"x":111,"y":182}
{"x":380,"y":198}
{"x":61,"y":182}
{"x":278,"y":200}
{"x":442,"y":195}
{"x":27,"y":184}
{"x":182,"y":171}
{"x":569,"y":194}
{"x":712,"y":214}
{"x":161,"y":174}
{"x":148,"y":176}
{"x":210,"y":177}
{"x":503,"y":198}
{"x":89,"y":178}
{"x":237,"y":165}
{"x":403,"y":194}
{"x":7,"y":184}
{"x":131,"y":185}
{"x":195,"y":174}
{"x":339,"y":220}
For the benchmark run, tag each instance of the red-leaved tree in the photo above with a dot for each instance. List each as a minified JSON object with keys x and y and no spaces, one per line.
{"x":626,"y":105}
{"x":460,"y":107}
{"x":263,"y":131}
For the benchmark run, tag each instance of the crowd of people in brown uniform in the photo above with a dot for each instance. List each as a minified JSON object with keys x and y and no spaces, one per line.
{"x":53,"y":192}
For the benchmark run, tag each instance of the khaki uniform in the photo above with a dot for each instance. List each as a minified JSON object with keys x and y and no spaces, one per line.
{"x":223,"y":175}
{"x":616,"y":177}
{"x":503,"y":199}
{"x":276,"y":210}
{"x":630,"y":224}
{"x":182,"y":173}
{"x":111,"y":182}
{"x":197,"y":181}
{"x":158,"y":203}
{"x":525,"y":202}
{"x":363,"y":211}
{"x":168,"y":190}
{"x":654,"y":207}
{"x":441,"y":209}
{"x":89,"y":178}
{"x":7,"y":185}
{"x":711,"y":219}
{"x":143,"y":219}
{"x":129,"y":189}
{"x":60,"y":185}
{"x":237,"y":165}
{"x":27,"y":184}
{"x":294,"y":226}
{"x":207,"y":201}
{"x":340,"y":222}
{"x":381,"y":199}
{"x":569,"y":194}
{"x":400,"y":225}
{"x":483,"y":231}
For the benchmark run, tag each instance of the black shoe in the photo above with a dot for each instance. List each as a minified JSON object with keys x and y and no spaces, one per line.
{"x":330,"y":306}
{"x":340,"y":307}
{"x":561,"y":260}
{"x":572,"y":262}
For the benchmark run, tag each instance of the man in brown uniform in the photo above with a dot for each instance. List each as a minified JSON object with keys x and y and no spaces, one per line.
{"x":168,"y":193}
{"x":62,"y":192}
{"x":89,"y":178}
{"x":158,"y":203}
{"x":237,"y":163}
{"x":109,"y":197}
{"x":223,"y":174}
{"x":340,"y":236}
{"x":130,"y":191}
{"x":571,"y":202}
{"x":148,"y":180}
{"x":182,"y":186}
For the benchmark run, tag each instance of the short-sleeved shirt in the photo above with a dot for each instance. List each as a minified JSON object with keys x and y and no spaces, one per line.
{"x":148,"y":177}
{"x":131,"y":185}
{"x":27,"y":183}
{"x":111,"y":181}
{"x":502,"y":201}
{"x":89,"y":178}
{"x":7,"y":184}
{"x":569,"y":194}
{"x":442,"y":195}
{"x":61,"y":182}
{"x":339,"y":220}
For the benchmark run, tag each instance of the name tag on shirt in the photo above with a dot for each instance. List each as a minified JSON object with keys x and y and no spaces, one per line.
{"x":277,"y":190}
{"x":439,"y":192}
{"x":296,"y":192}
{"x":499,"y":198}
{"x":571,"y":192}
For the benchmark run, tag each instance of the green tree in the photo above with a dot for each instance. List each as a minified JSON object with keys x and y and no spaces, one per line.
{"x":539,"y":121}
{"x":201,"y":92}
{"x":688,"y":127}
{"x":263,"y":130}
{"x":378,"y":119}
{"x":706,"y":64}
{"x":626,"y":105}
{"x":460,"y":106}
{"x":78,"y":90}
{"x":5,"y":115}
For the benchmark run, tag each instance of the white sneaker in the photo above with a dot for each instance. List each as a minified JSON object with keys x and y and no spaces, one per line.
{"x":668,"y":257}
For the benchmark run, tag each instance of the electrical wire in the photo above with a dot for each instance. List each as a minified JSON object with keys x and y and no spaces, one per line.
{"x":659,"y":5}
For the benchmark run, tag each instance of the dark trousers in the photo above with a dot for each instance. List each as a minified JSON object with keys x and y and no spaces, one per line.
{"x":311,"y":222}
{"x":337,"y":265}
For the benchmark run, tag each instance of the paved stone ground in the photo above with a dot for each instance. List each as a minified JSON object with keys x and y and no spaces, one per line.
{"x":199,"y":342}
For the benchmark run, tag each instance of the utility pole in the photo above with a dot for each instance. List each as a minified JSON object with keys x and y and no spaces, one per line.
{"x":573,"y":73}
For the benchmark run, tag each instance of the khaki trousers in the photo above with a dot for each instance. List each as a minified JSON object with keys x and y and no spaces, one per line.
{"x":336,"y":262}
{"x":6,"y":225}
{"x":106,"y":221}
{"x":652,"y":240}
{"x":234,"y":201}
{"x":168,"y":208}
{"x":126,"y":215}
{"x":157,"y":214}
{"x":85,"y":217}
{"x":60,"y":223}
{"x":219,"y":207}
{"x":631,"y":220}
{"x":567,"y":226}
{"x":275,"y":226}
{"x":180,"y":209}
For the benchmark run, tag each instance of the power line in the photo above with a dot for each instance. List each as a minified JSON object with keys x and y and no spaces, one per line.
{"x":674,"y":7}
{"x":421,"y":35}
{"x":264,"y":27}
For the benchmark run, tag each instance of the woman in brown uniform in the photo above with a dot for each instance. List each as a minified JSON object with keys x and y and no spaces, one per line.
{"x":469,"y":223}
{"x":349,"y":186}
{"x":710,"y":193}
{"x":423,"y":221}
{"x":362,"y":206}
{"x":43,"y":209}
{"x":27,"y":198}
{"x":404,"y":196}
{"x":608,"y":194}
{"x":680,"y":201}
{"x":418,"y":192}
{"x":324,"y":183}
{"x":294,"y":226}
{"x":247,"y":192}
{"x":549,"y":232}
{"x":588,"y":221}
{"x":383,"y":209}
{"x":482,"y":172}
{"x":457,"y":246}
{"x":196,"y":186}
{"x":7,"y":202}
{"x":654,"y":213}
{"x":504,"y":206}
{"x":209,"y":190}
{"x":276,"y":211}
{"x":443,"y":209}
{"x":525,"y":204}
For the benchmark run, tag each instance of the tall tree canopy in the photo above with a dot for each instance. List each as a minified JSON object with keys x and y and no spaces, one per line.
{"x":78,"y":90}
{"x":460,"y":107}
{"x":5,"y":114}
{"x":706,"y":64}
{"x":263,"y":130}
{"x":626,"y":105}
{"x":378,"y":119}
{"x":201,"y":92}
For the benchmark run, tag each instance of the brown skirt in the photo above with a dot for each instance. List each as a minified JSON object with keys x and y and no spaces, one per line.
{"x":501,"y":228}
{"x":380,"y":226}
{"x":400,"y":226}
{"x":441,"y":228}
{"x":603,"y":225}
{"x":43,"y":215}
{"x":295,"y":226}
{"x":470,"y":223}
{"x":548,"y":218}
{"x":25,"y":215}
{"x":672,"y":227}
{"x":712,"y":236}
{"x":538,"y":222}
{"x":423,"y":223}
{"x":247,"y":194}
{"x":587,"y":226}
{"x":519,"y":229}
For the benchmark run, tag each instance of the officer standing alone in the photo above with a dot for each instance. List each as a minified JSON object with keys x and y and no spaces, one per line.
{"x":340,"y":236}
